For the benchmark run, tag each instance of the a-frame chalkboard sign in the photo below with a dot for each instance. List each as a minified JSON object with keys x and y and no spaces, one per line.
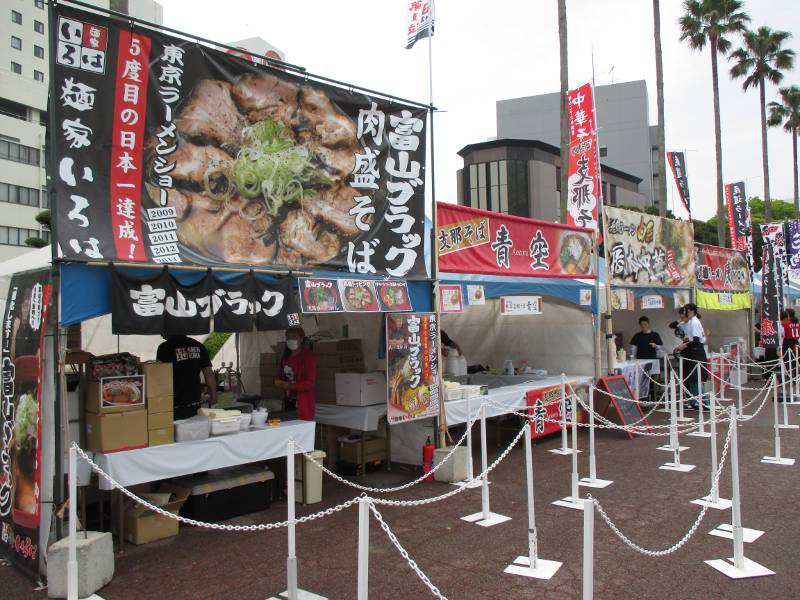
{"x":629,"y":410}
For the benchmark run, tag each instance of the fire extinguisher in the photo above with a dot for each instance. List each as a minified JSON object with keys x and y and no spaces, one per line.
{"x":427,"y":458}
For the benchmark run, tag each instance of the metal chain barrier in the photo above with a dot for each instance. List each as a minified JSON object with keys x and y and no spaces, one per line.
{"x":219,"y":527}
{"x":403,"y":552}
{"x":692,"y":530}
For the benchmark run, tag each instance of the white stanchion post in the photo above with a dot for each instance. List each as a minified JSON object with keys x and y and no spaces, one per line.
{"x":485,"y":518}
{"x":532,"y":565}
{"x":564,"y":449}
{"x":723,"y":361}
{"x":363,"y":548}
{"x":784,"y":398}
{"x":701,"y":422}
{"x":797,"y":368}
{"x":680,"y":387}
{"x":573,"y":500}
{"x":470,"y":482}
{"x":637,"y":379}
{"x":737,"y":567}
{"x":674,"y":445}
{"x":588,"y":549}
{"x":665,"y":375}
{"x":777,"y":459}
{"x":72,"y":557}
{"x":291,"y":559}
{"x":739,"y":378}
{"x":592,"y":480}
{"x":713,"y":500}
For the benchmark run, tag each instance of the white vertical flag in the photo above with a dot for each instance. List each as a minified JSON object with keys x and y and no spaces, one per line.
{"x":420,"y":21}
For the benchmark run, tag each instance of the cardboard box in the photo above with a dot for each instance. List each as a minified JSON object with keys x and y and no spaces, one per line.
{"x":142,"y":525}
{"x":160,"y":404}
{"x":159,"y":420}
{"x":158,"y":379}
{"x":268,"y":358}
{"x":360,"y":389}
{"x":336,"y":346}
{"x":343,"y":361}
{"x":159,"y":437}
{"x":116,"y":431}
{"x":355,"y":451}
{"x":115,"y":394}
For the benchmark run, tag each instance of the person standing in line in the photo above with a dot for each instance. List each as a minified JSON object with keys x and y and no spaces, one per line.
{"x":692,"y":348}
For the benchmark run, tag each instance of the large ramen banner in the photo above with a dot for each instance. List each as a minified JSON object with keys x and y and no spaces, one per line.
{"x":721,"y":269}
{"x":477,"y":241}
{"x":644,"y":250}
{"x":168,"y":151}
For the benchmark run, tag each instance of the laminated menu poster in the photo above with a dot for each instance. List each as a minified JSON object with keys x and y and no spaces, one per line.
{"x":412,"y":357}
{"x":21,"y":418}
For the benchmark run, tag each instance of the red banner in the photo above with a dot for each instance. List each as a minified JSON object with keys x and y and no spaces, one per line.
{"x":469,"y":240}
{"x":721,"y":269}
{"x":544,"y":407}
{"x":584,"y":191}
{"x":580,"y":112}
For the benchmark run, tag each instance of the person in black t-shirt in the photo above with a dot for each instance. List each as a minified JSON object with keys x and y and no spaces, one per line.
{"x":189,"y":358}
{"x":646,"y":341}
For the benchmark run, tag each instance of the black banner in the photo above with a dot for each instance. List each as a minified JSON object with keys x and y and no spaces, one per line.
{"x":771,"y":299}
{"x":677,"y":163}
{"x":162,"y":305}
{"x":168,"y":151}
{"x":739,"y":220}
{"x":21,"y":418}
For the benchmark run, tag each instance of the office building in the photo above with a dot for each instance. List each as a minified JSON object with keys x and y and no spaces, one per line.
{"x":523,"y":177}
{"x":625,"y":135}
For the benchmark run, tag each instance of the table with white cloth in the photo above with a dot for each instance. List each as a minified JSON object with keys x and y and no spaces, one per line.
{"x":360,"y":418}
{"x":641,"y":370}
{"x":145,"y":465}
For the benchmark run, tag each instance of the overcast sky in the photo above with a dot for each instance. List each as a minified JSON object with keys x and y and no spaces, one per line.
{"x":488,"y":51}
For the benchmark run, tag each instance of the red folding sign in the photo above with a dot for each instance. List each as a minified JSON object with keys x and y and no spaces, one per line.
{"x":469,"y":240}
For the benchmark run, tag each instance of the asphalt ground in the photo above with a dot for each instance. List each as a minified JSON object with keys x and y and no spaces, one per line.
{"x":649,"y":505}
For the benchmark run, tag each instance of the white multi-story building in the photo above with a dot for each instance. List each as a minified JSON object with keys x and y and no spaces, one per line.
{"x":23,"y":114}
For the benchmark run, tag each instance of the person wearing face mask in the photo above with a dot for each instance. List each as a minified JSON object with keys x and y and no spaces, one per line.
{"x":297,"y":375}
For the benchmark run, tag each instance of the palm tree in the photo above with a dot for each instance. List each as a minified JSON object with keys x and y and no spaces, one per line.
{"x":662,"y":171}
{"x":712,"y":22}
{"x":787,"y":112}
{"x":562,"y":44}
{"x":760,"y":59}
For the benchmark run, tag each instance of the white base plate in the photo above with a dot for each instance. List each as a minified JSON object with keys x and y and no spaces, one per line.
{"x":595,"y":483}
{"x":92,"y":597}
{"x":568,"y":502}
{"x":726,"y":531}
{"x":545,"y":569}
{"x":685,"y":419}
{"x":681,"y":468}
{"x":475,"y":483}
{"x":720,"y":504}
{"x":562,"y":451}
{"x":494,"y":519}
{"x":782,"y":426}
{"x":669,"y":448}
{"x":771,"y":460}
{"x":703,"y":434}
{"x":301,"y":595}
{"x":751,"y":568}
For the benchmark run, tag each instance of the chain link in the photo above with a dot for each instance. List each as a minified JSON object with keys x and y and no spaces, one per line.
{"x":692,"y":530}
{"x":403,"y":552}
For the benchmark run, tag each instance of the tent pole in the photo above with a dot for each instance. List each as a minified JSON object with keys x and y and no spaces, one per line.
{"x":598,"y":351}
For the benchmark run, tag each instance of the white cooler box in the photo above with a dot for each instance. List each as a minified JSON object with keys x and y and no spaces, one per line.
{"x":360,"y":389}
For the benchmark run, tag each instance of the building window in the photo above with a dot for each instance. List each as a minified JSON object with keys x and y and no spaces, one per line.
{"x":38,"y":52}
{"x":477,"y":186}
{"x":18,"y":194}
{"x":558,"y":179}
{"x":613,"y":196}
{"x":39,"y":4}
{"x":15,"y":236}
{"x":16,"y":17}
{"x":38,"y":27}
{"x":45,"y":198}
{"x":38,"y":75}
{"x":518,"y":188}
{"x":16,"y":68}
{"x":603,"y":151}
{"x":16,"y":43}
{"x":19,"y":153}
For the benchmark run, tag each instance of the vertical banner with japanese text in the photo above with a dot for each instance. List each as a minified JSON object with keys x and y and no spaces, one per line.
{"x":419,"y":22}
{"x":167,"y":151}
{"x":584,"y":187}
{"x":740,"y":223}
{"x":771,"y":298}
{"x":774,"y":235}
{"x":677,"y":162}
{"x":21,"y":418}
{"x":412,"y":357}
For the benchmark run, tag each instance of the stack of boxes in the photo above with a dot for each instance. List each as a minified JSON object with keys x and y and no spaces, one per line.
{"x":159,"y":393}
{"x":334,"y":356}
{"x":113,"y":426}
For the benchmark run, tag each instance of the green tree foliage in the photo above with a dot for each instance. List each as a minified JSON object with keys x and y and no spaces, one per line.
{"x":215,"y":341}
